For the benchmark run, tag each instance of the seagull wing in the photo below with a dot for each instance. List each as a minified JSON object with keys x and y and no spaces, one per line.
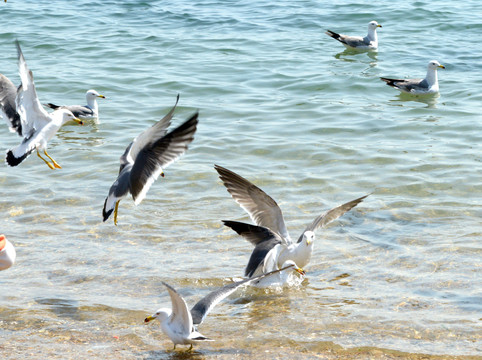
{"x":8,"y":93}
{"x":263,"y":239}
{"x":153,"y":157}
{"x":331,"y":215}
{"x":262,"y":209}
{"x":180,"y":318}
{"x":205,"y":305}
{"x":407,"y":85}
{"x":32,"y":114}
{"x":152,"y":134}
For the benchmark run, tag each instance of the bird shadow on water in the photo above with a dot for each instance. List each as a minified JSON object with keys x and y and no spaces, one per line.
{"x":191,"y":355}
{"x":430,"y":99}
{"x":347,"y":54}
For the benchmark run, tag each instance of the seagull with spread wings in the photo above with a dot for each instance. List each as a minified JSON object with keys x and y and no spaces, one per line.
{"x":273,"y":245}
{"x":145,"y":158}
{"x":37,"y":126}
{"x":179,"y":324}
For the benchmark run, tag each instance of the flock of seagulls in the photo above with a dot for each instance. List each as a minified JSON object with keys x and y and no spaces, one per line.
{"x":276,"y":260}
{"x":429,"y":85}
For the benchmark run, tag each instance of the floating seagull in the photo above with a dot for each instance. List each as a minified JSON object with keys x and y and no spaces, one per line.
{"x":145,"y":157}
{"x":8,"y":93}
{"x":179,"y":324}
{"x":89,"y":111}
{"x":369,"y":42}
{"x":37,"y":126}
{"x":270,"y":236}
{"x":429,"y":85}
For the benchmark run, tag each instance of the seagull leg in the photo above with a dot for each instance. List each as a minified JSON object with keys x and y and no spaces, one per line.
{"x":190,"y":348}
{"x":174,"y":348}
{"x":115,"y":221}
{"x":53,"y":161}
{"x":46,"y":161}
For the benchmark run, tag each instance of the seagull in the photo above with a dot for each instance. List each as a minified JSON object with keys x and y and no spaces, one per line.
{"x":8,"y":93}
{"x":179,"y":324}
{"x":37,"y":126}
{"x":429,"y":85}
{"x":269,"y":236}
{"x":369,"y":42}
{"x":145,"y":157}
{"x":89,"y":111}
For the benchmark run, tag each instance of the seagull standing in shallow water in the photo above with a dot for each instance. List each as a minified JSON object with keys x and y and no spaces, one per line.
{"x":429,"y":85}
{"x":369,"y":42}
{"x":179,"y":324}
{"x":272,"y":244}
{"x":89,"y":111}
{"x":146,"y":157}
{"x":37,"y":126}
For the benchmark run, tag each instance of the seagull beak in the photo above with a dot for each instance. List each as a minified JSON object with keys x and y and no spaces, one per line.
{"x":149,"y":318}
{"x":101,"y":96}
{"x":441,"y":66}
{"x":78,"y":121}
{"x":300,"y":271}
{"x":379,"y":25}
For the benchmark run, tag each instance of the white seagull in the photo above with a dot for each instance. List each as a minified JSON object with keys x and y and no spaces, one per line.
{"x":89,"y":111}
{"x":37,"y":126}
{"x":179,"y":324}
{"x":146,"y":157}
{"x":369,"y":42}
{"x":429,"y":85}
{"x":269,"y":236}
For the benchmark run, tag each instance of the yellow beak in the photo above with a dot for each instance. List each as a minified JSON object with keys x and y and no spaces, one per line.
{"x":441,"y":66}
{"x":379,"y":25}
{"x":300,"y":271}
{"x":149,"y":318}
{"x":101,"y":96}
{"x":78,"y":121}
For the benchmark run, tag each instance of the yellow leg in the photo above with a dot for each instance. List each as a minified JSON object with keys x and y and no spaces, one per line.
{"x":190,"y":348}
{"x":115,"y":219}
{"x":174,"y":348}
{"x":46,"y":161}
{"x":53,"y":161}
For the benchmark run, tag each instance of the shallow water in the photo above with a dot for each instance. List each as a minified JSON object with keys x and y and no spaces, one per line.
{"x":285,"y":106}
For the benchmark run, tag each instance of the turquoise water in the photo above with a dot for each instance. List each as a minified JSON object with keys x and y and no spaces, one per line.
{"x":285,"y":106}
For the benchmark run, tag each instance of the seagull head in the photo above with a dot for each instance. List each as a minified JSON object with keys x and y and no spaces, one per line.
{"x":372,"y":25}
{"x":308,"y":237}
{"x":66,"y":115}
{"x":92,"y":94}
{"x":434,"y":65}
{"x":161,"y":315}
{"x":291,"y":263}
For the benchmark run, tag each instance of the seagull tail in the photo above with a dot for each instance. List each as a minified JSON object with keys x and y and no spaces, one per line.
{"x":107,"y":210}
{"x":52,"y":106}
{"x":334,"y":35}
{"x":14,"y":158}
{"x":390,"y":82}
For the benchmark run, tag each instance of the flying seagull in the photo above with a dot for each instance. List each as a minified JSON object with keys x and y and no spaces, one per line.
{"x":89,"y":111}
{"x":270,"y":236}
{"x":369,"y":42}
{"x":429,"y":85}
{"x":37,"y":126}
{"x":179,"y":324}
{"x":146,"y":157}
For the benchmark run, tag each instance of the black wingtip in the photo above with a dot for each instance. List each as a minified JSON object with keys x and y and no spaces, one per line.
{"x":106,"y":214}
{"x":52,"y":106}
{"x":11,"y":160}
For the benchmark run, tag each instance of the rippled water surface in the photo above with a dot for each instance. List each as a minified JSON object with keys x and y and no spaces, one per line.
{"x":285,"y":106}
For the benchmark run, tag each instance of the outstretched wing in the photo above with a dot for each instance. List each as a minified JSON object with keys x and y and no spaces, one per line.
{"x":331,"y":215}
{"x":262,"y":209}
{"x":180,"y":317}
{"x":205,"y":305}
{"x":8,"y":93}
{"x":158,"y":155}
{"x":263,"y":239}
{"x":33,"y":115}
